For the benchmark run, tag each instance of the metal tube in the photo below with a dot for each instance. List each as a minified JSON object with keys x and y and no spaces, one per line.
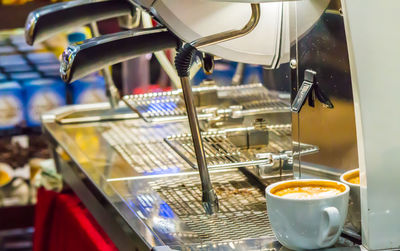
{"x":111,"y":90}
{"x":210,"y":199}
{"x":231,"y":34}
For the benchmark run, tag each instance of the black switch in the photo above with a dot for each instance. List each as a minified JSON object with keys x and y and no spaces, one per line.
{"x":309,"y":88}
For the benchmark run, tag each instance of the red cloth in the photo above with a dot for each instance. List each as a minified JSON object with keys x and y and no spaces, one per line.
{"x":63,"y":223}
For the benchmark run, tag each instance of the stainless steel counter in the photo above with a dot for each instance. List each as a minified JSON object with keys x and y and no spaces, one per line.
{"x":144,"y":194}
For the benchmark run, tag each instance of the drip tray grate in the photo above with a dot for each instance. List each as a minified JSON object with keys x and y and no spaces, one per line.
{"x":157,"y":105}
{"x":142,"y":146}
{"x":266,"y":106}
{"x":235,"y":147}
{"x":219,"y":150}
{"x":242,"y":207}
{"x":233,"y":226}
{"x":249,"y":99}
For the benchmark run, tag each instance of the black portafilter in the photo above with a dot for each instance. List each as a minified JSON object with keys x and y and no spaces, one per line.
{"x":49,"y":20}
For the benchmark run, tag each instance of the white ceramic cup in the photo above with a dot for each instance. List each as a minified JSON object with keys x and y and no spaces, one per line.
{"x":301,"y":224}
{"x":354,"y":203}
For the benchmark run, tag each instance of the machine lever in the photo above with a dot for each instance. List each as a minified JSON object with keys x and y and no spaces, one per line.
{"x":91,"y":55}
{"x":304,"y":91}
{"x":311,"y":90}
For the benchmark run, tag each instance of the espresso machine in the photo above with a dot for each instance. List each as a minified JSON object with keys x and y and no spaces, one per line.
{"x":186,"y":169}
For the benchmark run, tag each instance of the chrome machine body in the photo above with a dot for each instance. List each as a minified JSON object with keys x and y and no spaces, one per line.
{"x":137,"y":172}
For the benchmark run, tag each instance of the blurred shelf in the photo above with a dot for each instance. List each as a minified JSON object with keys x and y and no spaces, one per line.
{"x":21,"y":131}
{"x":14,"y":16}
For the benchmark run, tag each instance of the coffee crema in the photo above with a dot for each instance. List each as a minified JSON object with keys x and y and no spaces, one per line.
{"x":355,"y":180}
{"x":353,"y":177}
{"x":308,"y":190}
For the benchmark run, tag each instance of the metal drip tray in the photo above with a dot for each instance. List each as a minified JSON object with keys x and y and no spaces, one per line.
{"x":267,"y":106}
{"x":239,"y":100}
{"x":150,"y":149}
{"x":170,"y":105}
{"x":156,"y":105}
{"x":242,"y":208}
{"x":304,"y":149}
{"x":219,"y":150}
{"x":244,"y":93}
{"x":235,"y":147}
{"x":142,"y":146}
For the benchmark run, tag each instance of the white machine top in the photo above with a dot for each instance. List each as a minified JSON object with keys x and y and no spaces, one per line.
{"x":268,"y":44}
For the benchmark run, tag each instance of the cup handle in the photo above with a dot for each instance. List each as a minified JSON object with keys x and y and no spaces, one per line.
{"x":330,"y":225}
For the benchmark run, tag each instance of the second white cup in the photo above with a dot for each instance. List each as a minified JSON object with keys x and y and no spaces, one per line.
{"x":354,"y":203}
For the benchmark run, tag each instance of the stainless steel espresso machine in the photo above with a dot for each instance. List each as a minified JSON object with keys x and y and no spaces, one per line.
{"x":186,"y":169}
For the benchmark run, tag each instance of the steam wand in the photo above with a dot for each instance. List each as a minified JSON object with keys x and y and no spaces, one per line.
{"x":182,"y":63}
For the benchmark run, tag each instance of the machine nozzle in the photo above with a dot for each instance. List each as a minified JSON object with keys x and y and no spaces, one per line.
{"x":210,"y":202}
{"x":182,"y":62}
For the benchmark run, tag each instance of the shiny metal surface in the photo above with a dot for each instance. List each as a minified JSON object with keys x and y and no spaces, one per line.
{"x":212,"y":103}
{"x":242,"y":207}
{"x":323,"y":49}
{"x":159,"y":206}
{"x":142,"y":146}
{"x":209,"y":198}
{"x":170,"y":105}
{"x":236,"y":147}
{"x":176,"y":212}
{"x":274,"y":156}
{"x":85,"y":147}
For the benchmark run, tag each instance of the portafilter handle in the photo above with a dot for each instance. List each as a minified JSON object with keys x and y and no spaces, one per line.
{"x":91,"y":55}
{"x":47,"y":21}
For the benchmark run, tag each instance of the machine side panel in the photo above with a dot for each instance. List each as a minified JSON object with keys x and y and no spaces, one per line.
{"x":373,"y":38}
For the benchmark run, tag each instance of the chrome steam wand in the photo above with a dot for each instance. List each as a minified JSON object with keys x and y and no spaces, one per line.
{"x":182,"y":63}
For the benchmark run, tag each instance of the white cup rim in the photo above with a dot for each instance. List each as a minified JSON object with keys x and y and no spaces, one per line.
{"x":345,"y":181}
{"x":268,"y":190}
